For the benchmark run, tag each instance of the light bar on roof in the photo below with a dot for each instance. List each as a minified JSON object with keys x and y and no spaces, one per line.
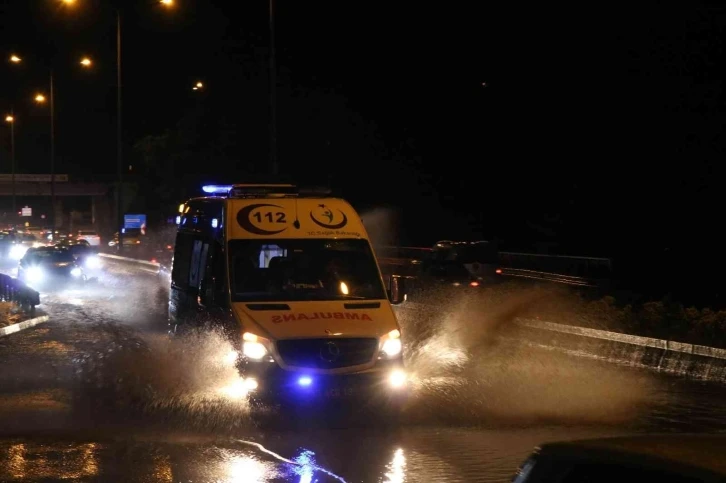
{"x":215,"y":189}
{"x":255,"y":190}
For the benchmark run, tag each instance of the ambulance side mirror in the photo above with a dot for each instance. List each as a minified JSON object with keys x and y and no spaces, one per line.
{"x":397,"y":290}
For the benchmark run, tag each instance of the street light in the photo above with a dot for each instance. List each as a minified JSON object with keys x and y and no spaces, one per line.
{"x":10,"y":119}
{"x":119,"y":127}
{"x":119,"y":115}
{"x":41,"y":99}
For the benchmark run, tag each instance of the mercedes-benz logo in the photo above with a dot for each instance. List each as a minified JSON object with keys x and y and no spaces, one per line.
{"x":329,"y":352}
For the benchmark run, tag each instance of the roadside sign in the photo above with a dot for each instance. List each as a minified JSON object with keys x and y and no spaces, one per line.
{"x":26,"y":211}
{"x":135,"y":221}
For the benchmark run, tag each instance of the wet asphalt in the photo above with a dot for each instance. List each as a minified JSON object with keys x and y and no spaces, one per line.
{"x":99,"y":393}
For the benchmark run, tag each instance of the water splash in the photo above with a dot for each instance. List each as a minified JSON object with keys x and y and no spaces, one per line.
{"x":468,"y":363}
{"x":193,"y":380}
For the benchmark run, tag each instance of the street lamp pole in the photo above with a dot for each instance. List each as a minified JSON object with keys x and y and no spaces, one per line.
{"x":119,"y":135}
{"x":12,"y":159}
{"x":273,"y":93}
{"x":52,"y":154}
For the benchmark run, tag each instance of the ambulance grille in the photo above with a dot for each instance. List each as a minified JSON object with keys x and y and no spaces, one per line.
{"x":327,"y":353}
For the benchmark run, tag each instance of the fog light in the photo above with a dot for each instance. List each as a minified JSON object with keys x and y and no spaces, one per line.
{"x":305,"y":381}
{"x":397,"y":379}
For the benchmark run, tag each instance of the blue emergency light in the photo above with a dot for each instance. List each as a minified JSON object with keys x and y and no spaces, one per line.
{"x":215,"y":189}
{"x":305,"y":381}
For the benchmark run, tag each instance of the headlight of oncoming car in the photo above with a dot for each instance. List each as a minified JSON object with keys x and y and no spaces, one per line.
{"x":93,"y":262}
{"x":18,"y":251}
{"x":76,"y":272}
{"x":254,"y":347}
{"x":34,"y":274}
{"x":391,"y":344}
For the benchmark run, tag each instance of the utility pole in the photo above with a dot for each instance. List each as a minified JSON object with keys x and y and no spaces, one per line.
{"x":119,"y":137}
{"x":273,"y":93}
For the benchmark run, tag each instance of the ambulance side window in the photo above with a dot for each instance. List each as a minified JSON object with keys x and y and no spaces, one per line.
{"x":214,"y":271}
{"x":182,"y":260}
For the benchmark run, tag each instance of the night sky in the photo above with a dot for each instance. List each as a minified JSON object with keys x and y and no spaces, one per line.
{"x":599,"y":130}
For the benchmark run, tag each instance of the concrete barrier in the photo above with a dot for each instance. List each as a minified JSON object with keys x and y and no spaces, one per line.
{"x":689,"y":360}
{"x":143,"y":265}
{"x":26,"y":324}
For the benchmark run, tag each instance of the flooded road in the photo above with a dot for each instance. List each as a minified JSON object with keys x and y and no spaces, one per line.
{"x":99,"y":394}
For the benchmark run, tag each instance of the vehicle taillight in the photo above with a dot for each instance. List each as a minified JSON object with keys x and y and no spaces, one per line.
{"x":474,"y":284}
{"x":498,"y":271}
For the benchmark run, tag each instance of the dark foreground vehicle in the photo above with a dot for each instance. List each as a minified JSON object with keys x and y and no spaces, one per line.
{"x":661,"y":458}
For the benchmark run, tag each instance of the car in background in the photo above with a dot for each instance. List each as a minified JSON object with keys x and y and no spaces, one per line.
{"x":132,"y":238}
{"x":427,"y":278}
{"x":7,"y":240}
{"x":86,"y":256}
{"x":22,"y":243}
{"x":50,"y":268}
{"x":91,"y":237}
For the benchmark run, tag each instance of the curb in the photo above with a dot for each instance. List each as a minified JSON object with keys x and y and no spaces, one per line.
{"x":26,"y":324}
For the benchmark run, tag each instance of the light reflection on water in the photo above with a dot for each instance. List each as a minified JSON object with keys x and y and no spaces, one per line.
{"x":245,"y":468}
{"x":396,"y":470}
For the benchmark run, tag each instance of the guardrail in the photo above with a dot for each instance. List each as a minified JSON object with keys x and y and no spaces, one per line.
{"x":563,"y":269}
{"x":547,"y":277}
{"x":144,"y":265}
{"x":691,"y":360}
{"x":15,"y":291}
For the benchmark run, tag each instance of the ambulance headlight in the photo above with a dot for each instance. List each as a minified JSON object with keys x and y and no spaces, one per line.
{"x":254,"y":347}
{"x":391,"y":344}
{"x":397,"y":379}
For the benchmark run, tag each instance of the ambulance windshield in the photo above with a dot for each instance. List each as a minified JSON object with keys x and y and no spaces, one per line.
{"x":303,"y":269}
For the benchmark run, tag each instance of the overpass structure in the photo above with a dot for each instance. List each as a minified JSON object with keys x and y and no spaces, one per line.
{"x":39,"y":185}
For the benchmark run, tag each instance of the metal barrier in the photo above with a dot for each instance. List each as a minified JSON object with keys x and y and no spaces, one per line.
{"x":15,"y":291}
{"x":563,"y":269}
{"x":146,"y":266}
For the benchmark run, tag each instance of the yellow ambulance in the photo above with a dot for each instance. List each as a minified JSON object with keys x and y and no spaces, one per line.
{"x":290,"y":276}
